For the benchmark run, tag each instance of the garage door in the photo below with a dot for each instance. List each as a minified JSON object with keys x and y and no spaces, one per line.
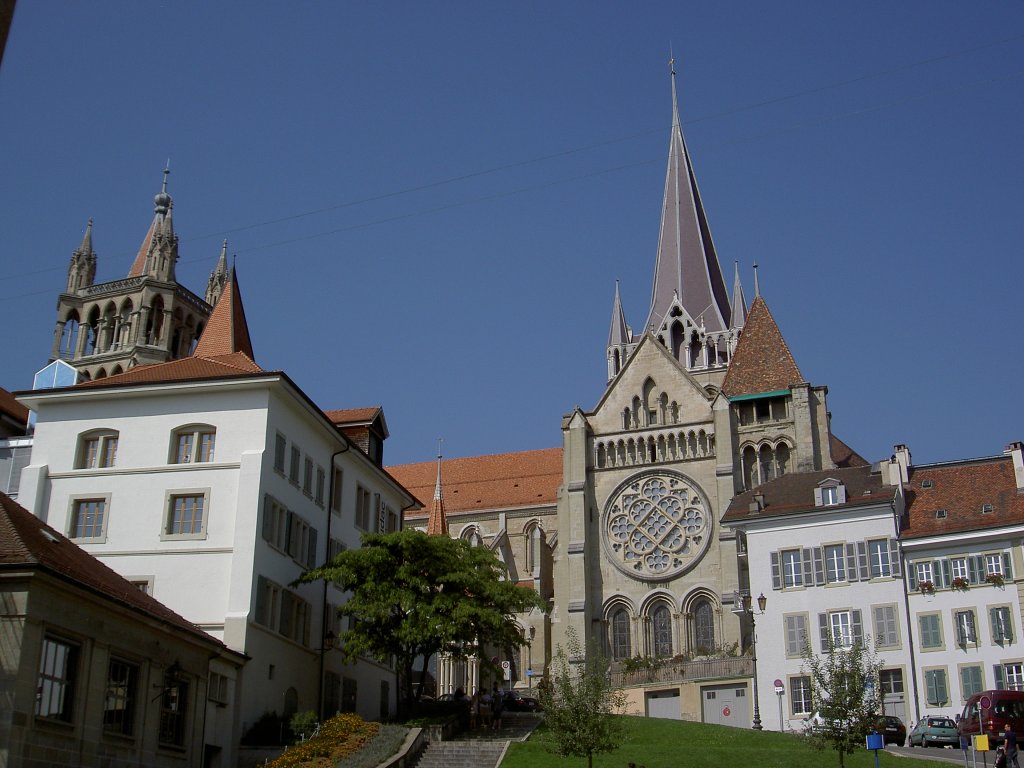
{"x":726,"y":705}
{"x":664,"y":704}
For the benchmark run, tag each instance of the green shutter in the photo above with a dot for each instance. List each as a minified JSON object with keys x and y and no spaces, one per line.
{"x":776,"y":572}
{"x":1000,"y":676}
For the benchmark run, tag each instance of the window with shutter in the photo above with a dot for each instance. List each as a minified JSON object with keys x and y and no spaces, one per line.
{"x":796,"y":634}
{"x":970,"y":680}
{"x":931,"y":630}
{"x":886,"y":634}
{"x":851,"y":562}
{"x":935,"y":681}
{"x":776,"y":575}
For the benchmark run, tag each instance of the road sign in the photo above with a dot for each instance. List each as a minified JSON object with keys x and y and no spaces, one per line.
{"x":778,"y":683}
{"x":529,"y":673}
{"x":506,"y":665}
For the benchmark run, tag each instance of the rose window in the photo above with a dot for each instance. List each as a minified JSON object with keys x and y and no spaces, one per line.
{"x":657,"y":525}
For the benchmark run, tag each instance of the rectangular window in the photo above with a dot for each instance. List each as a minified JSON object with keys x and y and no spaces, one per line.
{"x":338,"y":476}
{"x":217,"y":690}
{"x":295,"y":617}
{"x":890,"y":681}
{"x":792,"y":568}
{"x":88,"y":519}
{"x":937,"y":687}
{"x":1002,"y":625}
{"x":958,"y":568}
{"x":307,"y":477}
{"x":796,"y":634}
{"x":994,"y":565}
{"x":924,"y":572}
{"x":829,"y":495}
{"x":186,"y":516}
{"x":275,"y":523}
{"x":970,"y":680}
{"x":280,"y":448}
{"x":1013,"y":675}
{"x":58,"y":674}
{"x":842,"y":629}
{"x":321,"y":481}
{"x":878,"y":553}
{"x":268,"y":603}
{"x":835,"y":563}
{"x":886,"y":627}
{"x":800,"y":695}
{"x":173,"y":707}
{"x":194,"y":444}
{"x":363,"y":508}
{"x":296,"y":465}
{"x":931,"y":630}
{"x":120,"y":699}
{"x":966,"y":633}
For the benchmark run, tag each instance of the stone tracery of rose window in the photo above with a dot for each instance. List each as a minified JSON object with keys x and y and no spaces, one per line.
{"x":657,"y":525}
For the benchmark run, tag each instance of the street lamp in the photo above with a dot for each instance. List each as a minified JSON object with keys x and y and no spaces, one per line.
{"x":748,"y":609}
{"x":529,"y":652}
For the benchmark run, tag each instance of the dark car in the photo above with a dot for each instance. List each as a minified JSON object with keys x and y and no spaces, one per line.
{"x":932,"y":731}
{"x":988,"y":712}
{"x":514,"y":702}
{"x":892,"y":729}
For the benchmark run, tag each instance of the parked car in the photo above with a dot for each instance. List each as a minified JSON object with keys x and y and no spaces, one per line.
{"x":932,"y":731}
{"x":989,"y":711}
{"x":515,"y":702}
{"x":892,"y":729}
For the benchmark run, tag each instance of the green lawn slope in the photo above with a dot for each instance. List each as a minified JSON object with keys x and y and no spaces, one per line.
{"x":654,"y":743}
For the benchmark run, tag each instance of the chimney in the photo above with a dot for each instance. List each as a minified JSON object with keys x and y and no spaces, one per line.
{"x":1016,"y":452}
{"x":756,"y":505}
{"x":901,"y":455}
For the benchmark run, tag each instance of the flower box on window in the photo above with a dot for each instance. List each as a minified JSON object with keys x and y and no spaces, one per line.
{"x":996,"y":579}
{"x":926,"y":587}
{"x":960,"y":583}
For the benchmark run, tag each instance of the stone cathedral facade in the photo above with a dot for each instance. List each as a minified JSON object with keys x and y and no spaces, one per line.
{"x":619,"y":528}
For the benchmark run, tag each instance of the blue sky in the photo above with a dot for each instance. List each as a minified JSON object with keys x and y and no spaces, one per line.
{"x":430,"y":202}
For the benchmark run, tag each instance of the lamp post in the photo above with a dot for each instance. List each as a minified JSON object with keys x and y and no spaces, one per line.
{"x":762,"y":601}
{"x":529,"y":656}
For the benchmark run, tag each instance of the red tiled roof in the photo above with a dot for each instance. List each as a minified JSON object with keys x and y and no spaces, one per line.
{"x":345,"y":416}
{"x":183,"y":369}
{"x":12,"y":408}
{"x":762,"y":361}
{"x":499,"y":481}
{"x":961,"y":489}
{"x":843,"y":455}
{"x":227,"y":330}
{"x":27,"y":542}
{"x":794,"y":494}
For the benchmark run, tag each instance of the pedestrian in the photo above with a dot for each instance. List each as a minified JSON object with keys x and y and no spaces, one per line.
{"x":497,"y":706}
{"x":1010,"y":745}
{"x":486,"y":709}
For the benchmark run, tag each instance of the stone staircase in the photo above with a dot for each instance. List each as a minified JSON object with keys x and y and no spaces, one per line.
{"x":481,"y":747}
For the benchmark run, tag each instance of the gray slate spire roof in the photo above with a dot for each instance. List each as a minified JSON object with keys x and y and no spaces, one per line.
{"x":619,"y":333}
{"x":739,"y":301}
{"x":687,"y":265}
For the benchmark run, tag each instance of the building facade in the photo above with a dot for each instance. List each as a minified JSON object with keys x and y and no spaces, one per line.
{"x":213,"y":484}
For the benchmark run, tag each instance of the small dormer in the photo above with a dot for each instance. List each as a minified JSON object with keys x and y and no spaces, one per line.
{"x":829,"y":493}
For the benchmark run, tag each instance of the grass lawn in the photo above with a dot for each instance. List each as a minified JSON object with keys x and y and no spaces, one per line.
{"x":654,"y":743}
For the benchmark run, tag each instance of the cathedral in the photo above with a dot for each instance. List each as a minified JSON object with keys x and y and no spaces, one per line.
{"x":619,"y":527}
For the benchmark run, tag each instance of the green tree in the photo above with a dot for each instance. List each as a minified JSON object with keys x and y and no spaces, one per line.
{"x":844,"y":693}
{"x":413,"y":596}
{"x":580,"y":706}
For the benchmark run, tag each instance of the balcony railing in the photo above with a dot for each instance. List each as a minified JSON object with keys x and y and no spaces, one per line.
{"x":680,"y":671}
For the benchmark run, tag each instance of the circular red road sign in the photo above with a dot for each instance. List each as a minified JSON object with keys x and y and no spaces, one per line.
{"x":985,"y":702}
{"x":726,"y":711}
{"x":778,"y":683}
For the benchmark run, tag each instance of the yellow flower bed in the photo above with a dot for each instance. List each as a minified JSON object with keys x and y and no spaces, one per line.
{"x":339,"y":737}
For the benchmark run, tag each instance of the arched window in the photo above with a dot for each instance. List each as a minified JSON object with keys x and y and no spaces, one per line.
{"x":194,"y":443}
{"x":767,"y":461}
{"x":472,"y":535}
{"x":749,"y":467}
{"x":534,"y":539}
{"x":661,"y":620}
{"x":291,"y":703}
{"x":620,"y":635}
{"x":97,"y":449}
{"x":703,"y":627}
{"x":782,"y":459}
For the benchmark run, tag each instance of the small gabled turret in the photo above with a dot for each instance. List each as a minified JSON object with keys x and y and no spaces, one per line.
{"x":620,"y":337}
{"x":218,"y":278}
{"x":437,"y":523}
{"x":82,"y":269}
{"x":158,"y":253}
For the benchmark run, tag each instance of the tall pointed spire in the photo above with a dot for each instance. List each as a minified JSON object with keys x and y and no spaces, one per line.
{"x":218,"y":278}
{"x":227,"y":331}
{"x":739,"y":301}
{"x":437,"y":524}
{"x":687,"y":265}
{"x":620,"y":337}
{"x":82,"y":269}
{"x":160,"y":234}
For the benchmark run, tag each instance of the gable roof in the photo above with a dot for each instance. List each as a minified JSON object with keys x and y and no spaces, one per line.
{"x":793,"y":494}
{"x":27,"y":542}
{"x":499,"y":481}
{"x":182,"y":369}
{"x":843,"y":455}
{"x":226,"y":331}
{"x":961,"y":488}
{"x":762,"y":362}
{"x":12,"y":411}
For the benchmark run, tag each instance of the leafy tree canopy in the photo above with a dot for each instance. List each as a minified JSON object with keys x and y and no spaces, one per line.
{"x":844,"y":692}
{"x":580,"y":705}
{"x":414,"y":595}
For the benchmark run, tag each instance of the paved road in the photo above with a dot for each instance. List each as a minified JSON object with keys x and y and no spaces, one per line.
{"x":950,"y":756}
